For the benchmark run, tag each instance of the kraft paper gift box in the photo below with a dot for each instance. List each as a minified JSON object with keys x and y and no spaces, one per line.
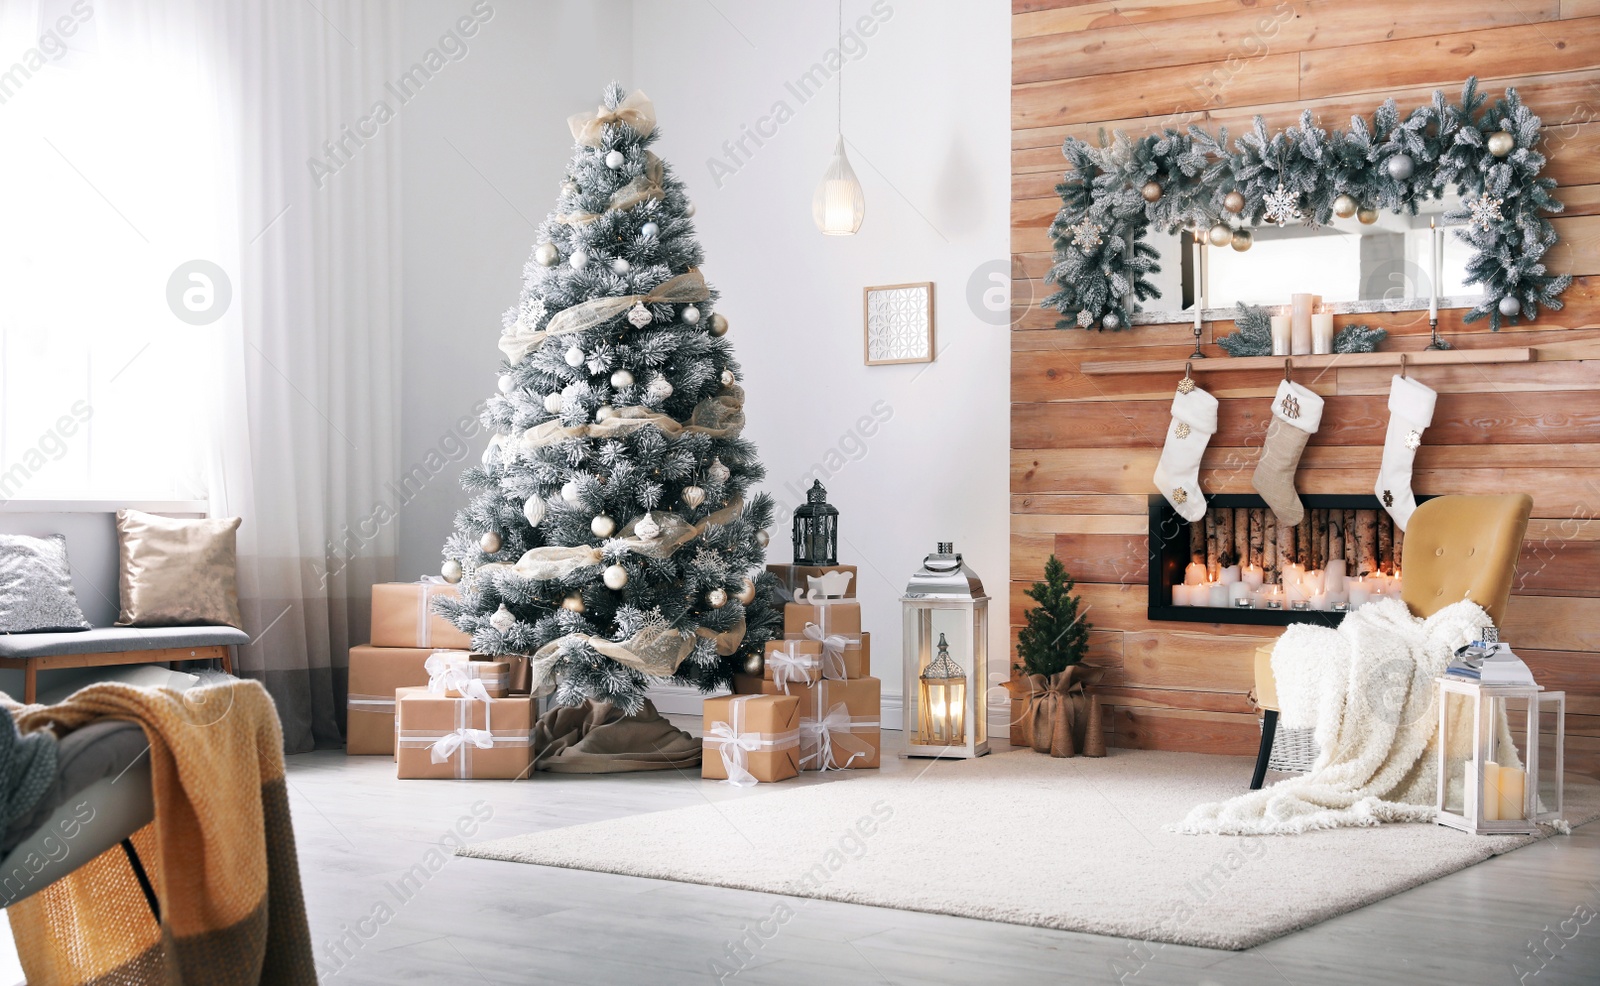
{"x":750,"y":739}
{"x":375,"y":673}
{"x":403,"y":616}
{"x":808,"y":659}
{"x":794,"y":576}
{"x":840,"y":617}
{"x":463,"y":738}
{"x":840,"y":721}
{"x":451,"y":673}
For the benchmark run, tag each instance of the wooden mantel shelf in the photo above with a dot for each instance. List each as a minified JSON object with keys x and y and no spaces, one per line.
{"x":1436,"y":357}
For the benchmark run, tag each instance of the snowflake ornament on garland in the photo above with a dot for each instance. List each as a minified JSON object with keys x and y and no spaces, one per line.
{"x":1485,"y":212}
{"x":1282,"y":206}
{"x":1086,"y":235}
{"x":533,"y":310}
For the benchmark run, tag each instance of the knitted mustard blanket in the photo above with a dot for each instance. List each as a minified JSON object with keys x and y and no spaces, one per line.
{"x":220,"y":853}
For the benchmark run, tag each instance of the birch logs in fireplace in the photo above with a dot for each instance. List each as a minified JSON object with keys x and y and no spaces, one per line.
{"x":1367,"y":540}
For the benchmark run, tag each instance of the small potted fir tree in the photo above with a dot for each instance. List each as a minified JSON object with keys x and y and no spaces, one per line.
{"x":1061,"y":718}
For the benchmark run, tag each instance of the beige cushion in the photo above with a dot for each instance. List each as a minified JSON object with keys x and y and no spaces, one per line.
{"x":1266,"y":684}
{"x":177,"y":572}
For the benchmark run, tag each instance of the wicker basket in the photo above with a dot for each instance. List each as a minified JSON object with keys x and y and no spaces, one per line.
{"x":1293,"y":750}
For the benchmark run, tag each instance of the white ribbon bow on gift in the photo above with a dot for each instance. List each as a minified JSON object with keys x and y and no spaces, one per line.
{"x":788,"y":666}
{"x":445,"y":675}
{"x":446,"y":748}
{"x":817,"y":735}
{"x":735,"y":749}
{"x":833,"y":646}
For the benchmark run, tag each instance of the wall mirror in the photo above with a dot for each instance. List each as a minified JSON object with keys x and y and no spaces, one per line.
{"x":1341,"y":213}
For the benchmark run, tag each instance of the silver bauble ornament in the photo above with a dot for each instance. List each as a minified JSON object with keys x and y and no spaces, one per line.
{"x":554,"y":403}
{"x":1242,"y":239}
{"x":505,"y":383}
{"x":574,"y":356}
{"x":1345,"y":205}
{"x":546,"y":255}
{"x":569,"y":491}
{"x":502,"y":619}
{"x":719,"y":325}
{"x":718,"y":598}
{"x":1234,"y":202}
{"x":614,"y":159}
{"x":1111,"y":321}
{"x":660,"y":388}
{"x":620,"y":265}
{"x":1501,"y":143}
{"x":603,"y":526}
{"x":451,"y":570}
{"x":690,"y":315}
{"x":579,"y":259}
{"x":727,"y":378}
{"x":747,"y":593}
{"x":621,"y":379}
{"x":1151,"y":191}
{"x":649,"y":230}
{"x":717,"y":472}
{"x":755,"y":663}
{"x":1509,"y":305}
{"x":688,"y":208}
{"x":1367,"y":216}
{"x":573,"y":603}
{"x":1220,"y":234}
{"x":763,"y":538}
{"x":533,"y":510}
{"x":1401,"y":167}
{"x":694,"y":496}
{"x":490,"y":542}
{"x":615,"y":576}
{"x":605,"y":413}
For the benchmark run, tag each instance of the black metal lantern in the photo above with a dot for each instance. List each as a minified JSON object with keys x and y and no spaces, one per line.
{"x":816,"y":529}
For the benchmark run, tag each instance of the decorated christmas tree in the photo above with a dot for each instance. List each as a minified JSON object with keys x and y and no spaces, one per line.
{"x":613,"y":536}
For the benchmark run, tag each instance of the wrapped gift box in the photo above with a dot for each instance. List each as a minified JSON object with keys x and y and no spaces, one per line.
{"x":403,"y":616}
{"x":794,"y":576}
{"x":439,"y":737}
{"x":767,"y":728}
{"x":375,"y":673}
{"x":450,"y":670}
{"x":801,"y":660}
{"x":840,"y":617}
{"x":840,"y":721}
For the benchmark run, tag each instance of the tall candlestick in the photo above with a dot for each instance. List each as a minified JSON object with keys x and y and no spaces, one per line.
{"x":1433,"y":270}
{"x":1199,"y":282}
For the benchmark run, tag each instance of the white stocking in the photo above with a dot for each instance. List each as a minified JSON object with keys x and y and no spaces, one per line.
{"x":1194,"y":421}
{"x":1410,"y":413}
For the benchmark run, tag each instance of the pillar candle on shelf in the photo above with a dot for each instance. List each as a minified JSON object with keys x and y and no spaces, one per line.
{"x":1320,"y":602}
{"x":1180,"y":595}
{"x":1300,"y":323}
{"x":1359,"y":591}
{"x":1229,"y":575}
{"x":1272,"y":594}
{"x":1238,"y":591}
{"x":1217,"y":594}
{"x":1280,"y":335}
{"x":1293,"y":591}
{"x":1252,"y":576}
{"x":1333,"y":575}
{"x":1195,"y":573}
{"x":1509,"y":782}
{"x":1322,"y":332}
{"x":1314,"y":581}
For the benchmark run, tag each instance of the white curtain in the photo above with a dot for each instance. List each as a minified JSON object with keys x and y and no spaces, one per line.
{"x":307,"y":389}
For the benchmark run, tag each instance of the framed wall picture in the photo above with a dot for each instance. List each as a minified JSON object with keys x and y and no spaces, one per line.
{"x":899,"y":323}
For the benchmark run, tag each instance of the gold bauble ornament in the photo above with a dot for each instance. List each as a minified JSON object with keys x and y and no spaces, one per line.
{"x":1367,"y":216}
{"x":694,"y":496}
{"x":451,"y":570}
{"x":615,"y":576}
{"x":747,"y":592}
{"x":1234,"y":202}
{"x":763,"y":538}
{"x":719,"y":325}
{"x":727,"y":378}
{"x":1242,"y":239}
{"x":490,"y":542}
{"x":1345,"y":205}
{"x":1501,"y":143}
{"x":718,"y":598}
{"x":573,"y":603}
{"x":1220,"y":235}
{"x":755,"y":664}
{"x":1151,"y":191}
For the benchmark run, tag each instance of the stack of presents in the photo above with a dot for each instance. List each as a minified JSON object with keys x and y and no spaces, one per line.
{"x":417,"y":695}
{"x":815,"y":705}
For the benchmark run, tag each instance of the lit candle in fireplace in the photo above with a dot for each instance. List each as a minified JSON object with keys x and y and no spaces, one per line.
{"x":1195,"y":574}
{"x":1252,"y":576}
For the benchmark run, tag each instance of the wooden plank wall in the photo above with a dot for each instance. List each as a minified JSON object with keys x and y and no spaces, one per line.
{"x":1083,"y":448}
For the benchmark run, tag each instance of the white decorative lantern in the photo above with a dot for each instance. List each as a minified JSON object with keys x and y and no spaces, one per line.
{"x":1500,"y":756}
{"x":946,"y":659}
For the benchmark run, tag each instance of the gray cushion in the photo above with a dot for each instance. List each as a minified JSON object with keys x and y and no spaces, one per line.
{"x":36,"y":585}
{"x":110,"y":640}
{"x":101,"y":749}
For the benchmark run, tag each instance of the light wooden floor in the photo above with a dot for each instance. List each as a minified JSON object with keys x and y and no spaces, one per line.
{"x":481,"y":921}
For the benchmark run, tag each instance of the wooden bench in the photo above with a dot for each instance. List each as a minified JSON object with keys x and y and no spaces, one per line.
{"x":106,"y":646}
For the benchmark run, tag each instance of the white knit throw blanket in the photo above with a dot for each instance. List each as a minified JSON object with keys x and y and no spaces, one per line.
{"x":1368,"y":690}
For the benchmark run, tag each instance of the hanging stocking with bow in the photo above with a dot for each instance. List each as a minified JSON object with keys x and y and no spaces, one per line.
{"x":1194,"y":421}
{"x":1410,"y":413}
{"x":1296,"y":414}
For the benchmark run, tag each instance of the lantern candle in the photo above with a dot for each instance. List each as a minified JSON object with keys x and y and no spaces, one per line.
{"x":1509,"y":784}
{"x":943,"y":684}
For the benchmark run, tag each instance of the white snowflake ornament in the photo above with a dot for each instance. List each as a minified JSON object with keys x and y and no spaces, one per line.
{"x":1085,"y":318}
{"x":1086,"y":235}
{"x":1282,"y":206}
{"x":1485,"y":212}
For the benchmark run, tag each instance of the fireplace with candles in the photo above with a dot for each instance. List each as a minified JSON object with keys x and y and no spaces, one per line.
{"x":1238,"y":565}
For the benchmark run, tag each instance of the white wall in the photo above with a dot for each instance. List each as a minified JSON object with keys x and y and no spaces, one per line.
{"x":926,"y":112}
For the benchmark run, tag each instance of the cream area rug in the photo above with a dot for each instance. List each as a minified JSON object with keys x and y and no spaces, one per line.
{"x":1075,"y":844}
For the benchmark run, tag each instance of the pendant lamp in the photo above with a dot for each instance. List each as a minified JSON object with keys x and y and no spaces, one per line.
{"x":839,"y":204}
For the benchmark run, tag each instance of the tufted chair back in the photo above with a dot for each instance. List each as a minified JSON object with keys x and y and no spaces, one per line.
{"x":1463,"y":547}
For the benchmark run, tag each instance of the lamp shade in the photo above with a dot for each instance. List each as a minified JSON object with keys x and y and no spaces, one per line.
{"x":839,"y":205}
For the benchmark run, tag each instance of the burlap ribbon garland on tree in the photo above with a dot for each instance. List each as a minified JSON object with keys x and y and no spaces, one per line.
{"x":643,"y":188}
{"x":523,"y":339}
{"x":1061,"y":717}
{"x":721,"y":416}
{"x":636,"y":111}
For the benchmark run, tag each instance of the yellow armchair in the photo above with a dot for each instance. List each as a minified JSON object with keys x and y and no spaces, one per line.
{"x":1457,"y":547}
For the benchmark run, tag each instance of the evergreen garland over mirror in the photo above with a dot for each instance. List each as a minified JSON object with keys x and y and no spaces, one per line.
{"x":1113,"y":194}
